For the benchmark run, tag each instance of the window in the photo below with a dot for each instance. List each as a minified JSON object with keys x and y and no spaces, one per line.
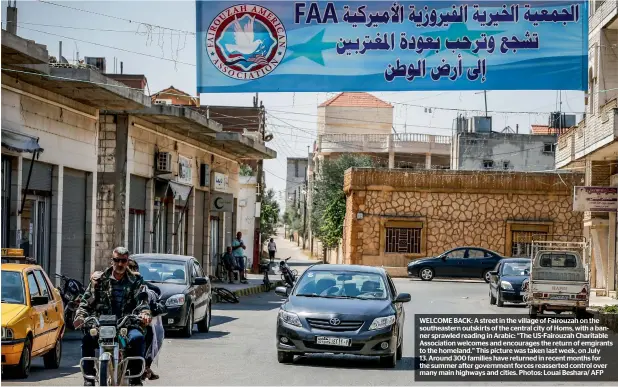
{"x":334,"y":283}
{"x":6,"y":200}
{"x":475,"y":253}
{"x":136,"y":231}
{"x":506,"y":165}
{"x":459,"y":253}
{"x":403,"y":240}
{"x":32,"y":286}
{"x":522,"y":243}
{"x":549,"y":147}
{"x":12,"y":288}
{"x":488,"y":164}
{"x":558,"y":260}
{"x":43,"y":285}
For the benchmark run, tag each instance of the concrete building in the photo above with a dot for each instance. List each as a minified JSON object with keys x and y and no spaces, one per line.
{"x":296,"y":178}
{"x":591,"y":146}
{"x":109,"y":169}
{"x":246,"y":211}
{"x":395,"y":216}
{"x":362,"y":123}
{"x":503,"y":151}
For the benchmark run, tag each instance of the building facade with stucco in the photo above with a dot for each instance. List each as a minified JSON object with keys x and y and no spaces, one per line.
{"x":395,"y":216}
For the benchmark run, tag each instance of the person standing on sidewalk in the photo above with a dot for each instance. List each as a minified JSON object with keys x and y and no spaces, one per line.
{"x":272,"y":249}
{"x":238,"y":249}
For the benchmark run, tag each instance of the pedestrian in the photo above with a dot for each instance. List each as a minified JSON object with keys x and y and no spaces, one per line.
{"x":272,"y":249}
{"x":229,"y":263}
{"x":238,"y":250}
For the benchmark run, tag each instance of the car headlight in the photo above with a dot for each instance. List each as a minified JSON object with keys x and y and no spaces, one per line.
{"x":175,"y":300}
{"x":289,"y":318}
{"x":7,"y":333}
{"x":382,"y":322}
{"x":107,"y":332}
{"x":506,"y":285}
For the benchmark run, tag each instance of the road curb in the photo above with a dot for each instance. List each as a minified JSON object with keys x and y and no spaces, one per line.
{"x":256,"y":289}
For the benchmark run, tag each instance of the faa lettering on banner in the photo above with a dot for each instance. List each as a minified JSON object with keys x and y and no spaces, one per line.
{"x":287,"y":46}
{"x":595,"y":199}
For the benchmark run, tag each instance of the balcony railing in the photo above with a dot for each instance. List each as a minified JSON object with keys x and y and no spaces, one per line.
{"x":401,"y":142}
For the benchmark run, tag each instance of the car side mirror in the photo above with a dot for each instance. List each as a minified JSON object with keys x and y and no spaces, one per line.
{"x":200,"y":281}
{"x":282,"y":291}
{"x":39,"y":300}
{"x":493,"y":273}
{"x":443,"y":257}
{"x":403,"y":297}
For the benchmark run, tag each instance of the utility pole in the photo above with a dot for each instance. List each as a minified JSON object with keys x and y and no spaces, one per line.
{"x":11,"y":17}
{"x":257,"y":243}
{"x":485,"y":93}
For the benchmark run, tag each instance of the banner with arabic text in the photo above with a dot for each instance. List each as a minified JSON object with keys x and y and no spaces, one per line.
{"x":291,"y":46}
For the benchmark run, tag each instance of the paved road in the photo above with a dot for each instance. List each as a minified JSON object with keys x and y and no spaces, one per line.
{"x":239,"y":350}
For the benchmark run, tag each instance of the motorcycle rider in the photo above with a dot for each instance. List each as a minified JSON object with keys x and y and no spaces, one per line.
{"x":114,"y":292}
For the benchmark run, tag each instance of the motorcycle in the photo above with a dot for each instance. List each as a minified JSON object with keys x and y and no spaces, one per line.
{"x":111,"y":365}
{"x":71,"y":291}
{"x":289,"y":276}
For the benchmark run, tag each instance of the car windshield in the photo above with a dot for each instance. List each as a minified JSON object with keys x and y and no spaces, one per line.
{"x":516,"y":269}
{"x":158,"y":270}
{"x":342,"y":284}
{"x":13,"y":288}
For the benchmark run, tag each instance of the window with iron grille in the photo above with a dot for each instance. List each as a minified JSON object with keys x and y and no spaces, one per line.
{"x":522,"y":243}
{"x":403,"y":240}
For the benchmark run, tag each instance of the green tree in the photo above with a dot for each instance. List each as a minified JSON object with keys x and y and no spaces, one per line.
{"x":328,"y":212}
{"x":246,"y":170}
{"x":270,"y":215}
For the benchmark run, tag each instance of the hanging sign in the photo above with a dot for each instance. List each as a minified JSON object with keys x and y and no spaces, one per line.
{"x":294,"y":46}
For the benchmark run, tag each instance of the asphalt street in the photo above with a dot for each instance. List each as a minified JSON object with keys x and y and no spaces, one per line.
{"x":240,"y":348}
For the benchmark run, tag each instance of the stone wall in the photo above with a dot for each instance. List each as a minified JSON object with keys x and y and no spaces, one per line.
{"x":483,"y":216}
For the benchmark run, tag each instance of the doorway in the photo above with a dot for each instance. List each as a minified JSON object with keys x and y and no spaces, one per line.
{"x":214,"y":243}
{"x":35,"y":226}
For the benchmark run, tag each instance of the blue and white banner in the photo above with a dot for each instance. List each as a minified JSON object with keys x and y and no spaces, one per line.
{"x":292,"y":46}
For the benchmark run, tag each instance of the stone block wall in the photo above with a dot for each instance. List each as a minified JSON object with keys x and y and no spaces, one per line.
{"x":480,"y":216}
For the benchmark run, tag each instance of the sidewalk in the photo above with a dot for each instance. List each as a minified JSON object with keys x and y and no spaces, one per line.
{"x":602,"y":301}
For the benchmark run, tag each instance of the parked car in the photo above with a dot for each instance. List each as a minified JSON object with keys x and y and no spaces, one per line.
{"x":32,"y":319}
{"x":185,"y":290}
{"x":468,"y":262}
{"x":342,"y":309}
{"x":507,"y":281}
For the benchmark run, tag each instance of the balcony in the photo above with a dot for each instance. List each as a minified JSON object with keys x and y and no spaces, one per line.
{"x":594,"y":133}
{"x":385,"y":143}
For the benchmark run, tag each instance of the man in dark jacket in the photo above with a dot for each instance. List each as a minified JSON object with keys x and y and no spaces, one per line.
{"x":114,"y":292}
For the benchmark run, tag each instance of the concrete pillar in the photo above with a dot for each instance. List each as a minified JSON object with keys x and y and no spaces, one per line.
{"x":391,"y":152}
{"x":56,"y":222}
{"x":428,"y":161}
{"x":111,"y":197}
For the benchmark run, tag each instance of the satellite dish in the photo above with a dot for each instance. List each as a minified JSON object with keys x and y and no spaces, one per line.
{"x":268,"y":137}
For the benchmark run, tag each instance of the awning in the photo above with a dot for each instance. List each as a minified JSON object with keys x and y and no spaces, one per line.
{"x":19,"y":142}
{"x":180,"y":191}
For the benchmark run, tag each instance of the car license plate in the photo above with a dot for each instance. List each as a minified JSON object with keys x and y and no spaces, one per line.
{"x":559,"y":297}
{"x":336,"y":341}
{"x":170,"y":320}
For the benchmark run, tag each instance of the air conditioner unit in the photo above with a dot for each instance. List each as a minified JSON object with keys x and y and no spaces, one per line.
{"x":164,"y":162}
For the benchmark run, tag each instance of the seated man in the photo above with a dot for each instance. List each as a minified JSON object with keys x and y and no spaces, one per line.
{"x":230,"y":264}
{"x":114,"y":292}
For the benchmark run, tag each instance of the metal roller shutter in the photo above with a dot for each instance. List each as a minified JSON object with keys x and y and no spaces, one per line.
{"x":41,"y":178}
{"x":137,"y":193}
{"x":198,"y":242}
{"x":74,"y":225}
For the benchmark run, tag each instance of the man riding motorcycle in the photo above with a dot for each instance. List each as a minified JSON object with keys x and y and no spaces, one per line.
{"x":114,"y":292}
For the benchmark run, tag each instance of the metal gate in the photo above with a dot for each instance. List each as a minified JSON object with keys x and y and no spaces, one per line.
{"x":41,"y":177}
{"x":522,"y":243}
{"x":74,"y":224}
{"x":137,"y":213}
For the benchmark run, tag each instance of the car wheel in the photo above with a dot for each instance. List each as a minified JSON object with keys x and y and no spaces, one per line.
{"x":400,"y":350}
{"x":492,"y":299}
{"x":51,"y":359}
{"x":389,"y":361}
{"x":22,"y":370}
{"x":204,"y":325}
{"x":500,"y":301}
{"x":285,"y":357}
{"x":188,"y":329}
{"x":426,"y":274}
{"x":487,"y":276}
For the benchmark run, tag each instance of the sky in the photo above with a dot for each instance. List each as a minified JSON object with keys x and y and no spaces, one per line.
{"x":129,"y":32}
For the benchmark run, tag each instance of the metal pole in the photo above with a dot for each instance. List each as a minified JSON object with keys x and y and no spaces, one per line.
{"x":485,"y":93}
{"x":257,"y":246}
